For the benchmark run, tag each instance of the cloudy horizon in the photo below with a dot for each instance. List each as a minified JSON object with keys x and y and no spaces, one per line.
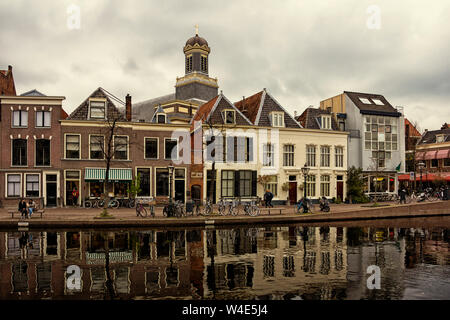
{"x":301,"y":51}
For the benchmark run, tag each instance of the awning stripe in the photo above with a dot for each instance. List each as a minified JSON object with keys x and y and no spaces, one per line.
{"x":442,"y":154}
{"x":124,"y":174}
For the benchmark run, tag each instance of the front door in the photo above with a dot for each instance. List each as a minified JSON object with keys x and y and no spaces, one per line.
{"x":70,"y":185}
{"x":51,"y":190}
{"x":340,"y":190}
{"x":179,"y":190}
{"x":292,"y":192}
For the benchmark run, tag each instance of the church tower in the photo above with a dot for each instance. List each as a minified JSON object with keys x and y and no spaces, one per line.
{"x":196,"y":83}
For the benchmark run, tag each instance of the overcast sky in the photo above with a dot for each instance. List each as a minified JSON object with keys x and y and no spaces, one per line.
{"x":301,"y":51}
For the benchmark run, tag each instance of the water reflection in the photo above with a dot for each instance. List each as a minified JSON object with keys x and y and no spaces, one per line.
{"x":286,"y":262}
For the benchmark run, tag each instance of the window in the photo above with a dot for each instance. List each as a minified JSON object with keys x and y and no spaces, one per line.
{"x":32,"y":185}
{"x":324,"y":156}
{"x":339,"y":153}
{"x":245,"y":183}
{"x":229,"y":116}
{"x":440,"y":138}
{"x":268,"y":154}
{"x":171,"y":149}
{"x":215,"y":148}
{"x":121,"y":189}
{"x":19,"y":152}
{"x":311,"y":156}
{"x":365,"y":101}
{"x":204,"y":63}
{"x":43,"y":152}
{"x":325,"y":122}
{"x":342,"y":125}
{"x":378,"y":157}
{"x":151,"y":148}
{"x":188,"y":63}
{"x":380,"y":133}
{"x":121,"y":147}
{"x":162,"y":182}
{"x":20,"y":118}
{"x":324,"y":185}
{"x":43,"y":118}
{"x":13,"y":185}
{"x":96,"y":189}
{"x":434,"y":163}
{"x":97,"y":109}
{"x":248,"y":149}
{"x":272,"y":185}
{"x":269,"y":266}
{"x":277,"y":119}
{"x":288,"y":155}
{"x":144,"y":179}
{"x":378,"y":102}
{"x":311,"y":185}
{"x":447,"y":162}
{"x":72,"y":146}
{"x":161,"y":118}
{"x":227,"y":183}
{"x":96,"y":147}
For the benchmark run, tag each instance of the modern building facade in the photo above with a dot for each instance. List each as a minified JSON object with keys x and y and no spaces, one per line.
{"x":376,"y":141}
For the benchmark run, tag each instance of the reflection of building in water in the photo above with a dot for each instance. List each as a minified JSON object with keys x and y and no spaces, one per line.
{"x":310,"y":262}
{"x":384,"y":248}
{"x":143,"y":264}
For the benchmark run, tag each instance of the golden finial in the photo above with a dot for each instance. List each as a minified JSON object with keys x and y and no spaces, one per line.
{"x":196,"y":29}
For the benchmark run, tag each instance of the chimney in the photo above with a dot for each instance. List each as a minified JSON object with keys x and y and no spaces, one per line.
{"x":244,"y":109}
{"x":9,"y":68}
{"x":295,"y":114}
{"x":128,"y":107}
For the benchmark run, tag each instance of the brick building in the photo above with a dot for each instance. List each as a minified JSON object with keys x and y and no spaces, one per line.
{"x":30,"y":143}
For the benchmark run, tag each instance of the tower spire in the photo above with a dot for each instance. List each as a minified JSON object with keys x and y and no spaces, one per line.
{"x":196,"y":29}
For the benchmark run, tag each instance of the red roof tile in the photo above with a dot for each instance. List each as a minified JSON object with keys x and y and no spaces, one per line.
{"x":250,"y":106}
{"x":204,"y":110}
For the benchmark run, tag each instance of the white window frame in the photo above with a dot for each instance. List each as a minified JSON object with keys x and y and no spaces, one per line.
{"x":268,"y":155}
{"x":311,"y":155}
{"x":178,"y":150}
{"x":325,"y":122}
{"x":325,"y":185}
{"x":157,"y":148}
{"x":161,"y":114}
{"x":277,"y":119}
{"x":20,"y":117}
{"x":97,"y":101}
{"x":104,"y":146}
{"x":272,"y":186}
{"x":25,"y":183}
{"x":12,"y":151}
{"x":339,"y":156}
{"x":128,"y":147}
{"x":65,"y":144}
{"x":289,"y":155}
{"x":20,"y":184}
{"x":224,"y":115}
{"x":325,"y":157}
{"x":43,"y":112}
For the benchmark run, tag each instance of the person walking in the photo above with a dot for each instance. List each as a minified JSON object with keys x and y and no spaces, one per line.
{"x":268,"y":196}
{"x":403,"y":196}
{"x":75,"y":195}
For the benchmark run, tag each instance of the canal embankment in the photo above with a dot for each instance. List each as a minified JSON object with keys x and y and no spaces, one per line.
{"x":124,"y":218}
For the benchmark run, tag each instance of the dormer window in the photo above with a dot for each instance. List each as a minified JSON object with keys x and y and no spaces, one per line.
{"x":277,"y":119}
{"x":229,"y":116}
{"x":97,"y":109}
{"x":365,"y":100}
{"x":440,"y":138}
{"x":161,"y":118}
{"x":325,"y":122}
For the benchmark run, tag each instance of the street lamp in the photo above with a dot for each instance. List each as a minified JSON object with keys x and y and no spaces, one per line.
{"x":421,"y":165}
{"x":305,"y":171}
{"x":171,"y":168}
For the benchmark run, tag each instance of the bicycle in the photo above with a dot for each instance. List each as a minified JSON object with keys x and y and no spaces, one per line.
{"x":310,"y":206}
{"x":141,"y":210}
{"x":231,"y":206}
{"x":251,"y":209}
{"x":208,"y":209}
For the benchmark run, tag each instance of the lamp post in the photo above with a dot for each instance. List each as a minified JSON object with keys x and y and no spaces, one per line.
{"x":305,"y":171}
{"x":421,"y":165}
{"x":171,"y":168}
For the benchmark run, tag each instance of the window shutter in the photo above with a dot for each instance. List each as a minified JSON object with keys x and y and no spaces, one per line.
{"x":237,"y":183}
{"x":230,"y":149}
{"x":250,"y":149}
{"x":253,"y":183}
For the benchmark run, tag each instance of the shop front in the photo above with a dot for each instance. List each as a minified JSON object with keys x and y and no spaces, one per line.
{"x":120,"y":179}
{"x":380,"y":182}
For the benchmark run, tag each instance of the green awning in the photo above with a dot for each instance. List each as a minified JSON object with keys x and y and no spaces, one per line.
{"x":115,"y":174}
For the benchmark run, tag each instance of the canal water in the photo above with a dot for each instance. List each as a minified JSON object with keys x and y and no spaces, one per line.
{"x":288,"y":262}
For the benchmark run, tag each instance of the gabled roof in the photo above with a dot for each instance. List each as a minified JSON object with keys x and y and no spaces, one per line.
{"x":211,"y":112}
{"x":309,"y":119}
{"x":376,"y":104}
{"x":430,"y":136}
{"x":259,"y":106}
{"x":33,"y":93}
{"x":115,"y":107}
{"x":7,"y":86}
{"x":412,"y":130}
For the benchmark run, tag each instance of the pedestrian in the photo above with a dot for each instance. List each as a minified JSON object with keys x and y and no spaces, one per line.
{"x":22,"y":208}
{"x":75,"y":195}
{"x":403,"y":196}
{"x":31,"y":207}
{"x":268,"y":196}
